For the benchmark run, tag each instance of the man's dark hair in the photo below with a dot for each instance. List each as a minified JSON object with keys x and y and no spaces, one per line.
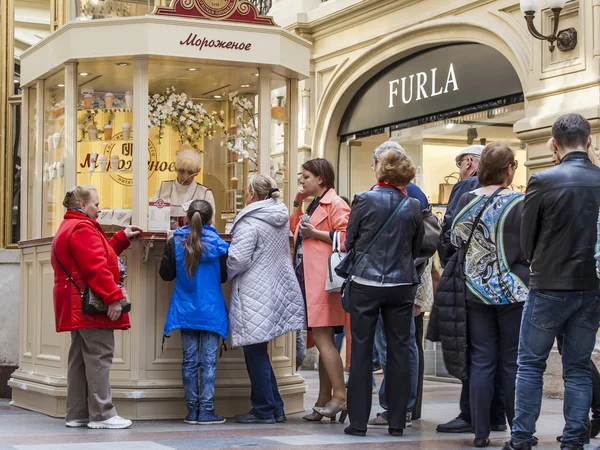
{"x":571,"y":131}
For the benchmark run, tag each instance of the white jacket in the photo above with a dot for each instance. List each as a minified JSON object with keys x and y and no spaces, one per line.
{"x":266,"y":301}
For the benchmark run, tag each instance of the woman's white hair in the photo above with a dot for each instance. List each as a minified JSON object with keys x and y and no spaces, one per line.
{"x":388,"y":145}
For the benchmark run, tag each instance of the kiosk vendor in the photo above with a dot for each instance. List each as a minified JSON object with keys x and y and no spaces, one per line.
{"x":184,"y":189}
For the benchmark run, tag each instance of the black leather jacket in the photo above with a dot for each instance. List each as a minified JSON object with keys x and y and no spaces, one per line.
{"x":391,"y":258}
{"x":558,"y":231}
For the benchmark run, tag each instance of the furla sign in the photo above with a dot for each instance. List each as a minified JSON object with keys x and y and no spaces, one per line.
{"x":431,"y":82}
{"x":426,"y":86}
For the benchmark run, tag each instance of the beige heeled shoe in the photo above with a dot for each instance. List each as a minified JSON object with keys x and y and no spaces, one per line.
{"x":331,"y":410}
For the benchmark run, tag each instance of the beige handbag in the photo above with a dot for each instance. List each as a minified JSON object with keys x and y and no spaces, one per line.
{"x":446,"y":188}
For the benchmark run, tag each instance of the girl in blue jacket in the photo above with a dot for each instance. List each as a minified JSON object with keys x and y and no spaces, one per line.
{"x":196,"y":259}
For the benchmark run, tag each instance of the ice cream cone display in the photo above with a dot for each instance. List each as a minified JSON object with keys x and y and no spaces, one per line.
{"x":93,"y":159}
{"x":114,"y":163}
{"x":126,"y":131}
{"x":129,"y":99}
{"x":92,"y":130}
{"x":88,"y":101}
{"x":102,"y":162}
{"x":108,"y":100}
{"x":56,"y":140}
{"x":108,"y":131}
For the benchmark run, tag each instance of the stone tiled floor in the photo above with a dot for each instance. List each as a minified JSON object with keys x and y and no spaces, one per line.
{"x":25,"y":430}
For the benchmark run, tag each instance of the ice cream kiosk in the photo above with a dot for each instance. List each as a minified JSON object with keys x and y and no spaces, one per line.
{"x":183,"y":103}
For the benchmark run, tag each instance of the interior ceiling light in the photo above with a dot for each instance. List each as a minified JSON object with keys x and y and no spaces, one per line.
{"x":61,"y":85}
{"x":121,"y":64}
{"x":450,"y":125}
{"x":17,"y":82}
{"x":245,"y":85}
{"x":83,"y":74}
{"x":217,"y":96}
{"x":256,"y":74}
{"x":192,"y":69}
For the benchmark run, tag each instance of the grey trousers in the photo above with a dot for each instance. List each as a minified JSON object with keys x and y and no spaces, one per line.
{"x":88,"y":385}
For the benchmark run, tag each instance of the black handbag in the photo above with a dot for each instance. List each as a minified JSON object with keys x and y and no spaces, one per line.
{"x":346,"y":285}
{"x":90,"y":302}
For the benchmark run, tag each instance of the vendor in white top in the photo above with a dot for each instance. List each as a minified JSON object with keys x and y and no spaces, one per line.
{"x":180,"y":192}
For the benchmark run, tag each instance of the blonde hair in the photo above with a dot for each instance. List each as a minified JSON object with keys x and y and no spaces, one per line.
{"x":77,"y":195}
{"x":396,"y":167}
{"x":263,"y":187}
{"x":187,"y":164}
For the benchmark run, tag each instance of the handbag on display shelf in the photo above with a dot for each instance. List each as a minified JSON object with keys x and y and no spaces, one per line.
{"x":446,"y":188}
{"x":91,"y":303}
{"x":333,"y":282}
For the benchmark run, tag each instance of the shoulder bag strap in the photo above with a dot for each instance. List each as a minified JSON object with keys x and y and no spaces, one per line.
{"x":379,"y":233}
{"x":478,"y":218}
{"x":66,"y":271}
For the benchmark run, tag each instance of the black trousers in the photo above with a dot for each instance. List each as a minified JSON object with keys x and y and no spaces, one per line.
{"x":396,"y":306}
{"x":494,"y":347}
{"x":595,"y":381}
{"x":416,"y":411}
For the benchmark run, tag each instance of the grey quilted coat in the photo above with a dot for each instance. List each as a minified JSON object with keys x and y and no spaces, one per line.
{"x":266,"y":301}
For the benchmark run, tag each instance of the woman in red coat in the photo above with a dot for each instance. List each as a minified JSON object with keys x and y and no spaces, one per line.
{"x":81,"y":249}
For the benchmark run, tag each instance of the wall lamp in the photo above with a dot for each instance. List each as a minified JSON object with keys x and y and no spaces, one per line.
{"x":565,"y":39}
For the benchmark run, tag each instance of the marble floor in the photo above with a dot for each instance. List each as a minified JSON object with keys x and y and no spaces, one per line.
{"x":25,"y":430}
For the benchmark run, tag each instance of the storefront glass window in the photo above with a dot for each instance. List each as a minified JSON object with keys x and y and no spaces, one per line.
{"x":33,"y":171}
{"x":433,"y":147}
{"x":104,"y":138}
{"x":279,"y":132}
{"x":104,"y":9}
{"x":15,"y":181}
{"x":202,"y":116}
{"x":53,"y":155}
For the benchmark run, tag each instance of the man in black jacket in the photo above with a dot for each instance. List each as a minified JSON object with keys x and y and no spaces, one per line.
{"x":558,"y":236}
{"x":467,"y":162}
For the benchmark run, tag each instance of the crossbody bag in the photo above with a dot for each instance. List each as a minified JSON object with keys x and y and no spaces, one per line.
{"x":90,"y":302}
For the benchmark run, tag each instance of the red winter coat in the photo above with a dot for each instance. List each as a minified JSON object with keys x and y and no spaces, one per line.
{"x":91,"y":259}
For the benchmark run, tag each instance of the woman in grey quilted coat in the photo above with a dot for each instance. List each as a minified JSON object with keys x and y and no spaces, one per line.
{"x":266,"y":301}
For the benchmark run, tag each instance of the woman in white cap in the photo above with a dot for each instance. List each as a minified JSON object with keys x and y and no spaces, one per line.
{"x":183,"y":190}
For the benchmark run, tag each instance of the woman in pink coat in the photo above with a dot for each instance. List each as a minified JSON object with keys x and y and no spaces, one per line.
{"x":313,"y":233}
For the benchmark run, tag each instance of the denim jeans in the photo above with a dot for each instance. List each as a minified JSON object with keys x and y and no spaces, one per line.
{"x":200,"y":349}
{"x":546,"y":314}
{"x":381,"y":345}
{"x":264,"y":393}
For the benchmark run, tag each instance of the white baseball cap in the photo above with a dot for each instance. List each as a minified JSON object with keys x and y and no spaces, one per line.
{"x":473,"y":150}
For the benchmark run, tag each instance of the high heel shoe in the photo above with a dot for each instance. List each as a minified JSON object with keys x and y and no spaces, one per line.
{"x":332,"y":408}
{"x":314,"y":416}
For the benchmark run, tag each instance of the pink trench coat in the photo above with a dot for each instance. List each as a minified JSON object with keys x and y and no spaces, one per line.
{"x":323,"y":309}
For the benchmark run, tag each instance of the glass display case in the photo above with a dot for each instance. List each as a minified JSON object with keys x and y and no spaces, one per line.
{"x":152,"y":115}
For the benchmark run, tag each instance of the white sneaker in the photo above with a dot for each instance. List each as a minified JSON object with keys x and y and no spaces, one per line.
{"x":77,"y":423}
{"x":114,"y":423}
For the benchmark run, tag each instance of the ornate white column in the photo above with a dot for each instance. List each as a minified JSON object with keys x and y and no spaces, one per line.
{"x":264,"y":121}
{"x":306,"y":126}
{"x":140,"y":141}
{"x":70,"y":137}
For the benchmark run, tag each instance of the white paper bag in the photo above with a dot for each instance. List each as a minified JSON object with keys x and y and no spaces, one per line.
{"x":105,"y":217}
{"x":122,"y":217}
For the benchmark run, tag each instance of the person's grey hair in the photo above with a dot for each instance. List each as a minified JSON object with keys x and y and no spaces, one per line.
{"x":388,"y":145}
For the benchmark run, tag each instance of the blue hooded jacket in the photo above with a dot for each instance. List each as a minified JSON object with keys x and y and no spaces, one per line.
{"x":198,"y":303}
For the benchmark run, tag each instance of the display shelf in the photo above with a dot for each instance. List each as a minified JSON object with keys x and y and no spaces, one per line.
{"x":96,"y":141}
{"x":126,"y":110}
{"x":97,"y":172}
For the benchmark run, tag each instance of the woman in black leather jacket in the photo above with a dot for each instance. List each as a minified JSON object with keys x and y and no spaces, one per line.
{"x":384,"y":280}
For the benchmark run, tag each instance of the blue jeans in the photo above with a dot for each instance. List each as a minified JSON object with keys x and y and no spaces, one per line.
{"x":381,"y":345}
{"x":200,"y":350}
{"x":546,"y":314}
{"x":264,"y":393}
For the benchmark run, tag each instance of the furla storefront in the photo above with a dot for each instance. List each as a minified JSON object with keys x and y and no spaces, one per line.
{"x":434,"y":103}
